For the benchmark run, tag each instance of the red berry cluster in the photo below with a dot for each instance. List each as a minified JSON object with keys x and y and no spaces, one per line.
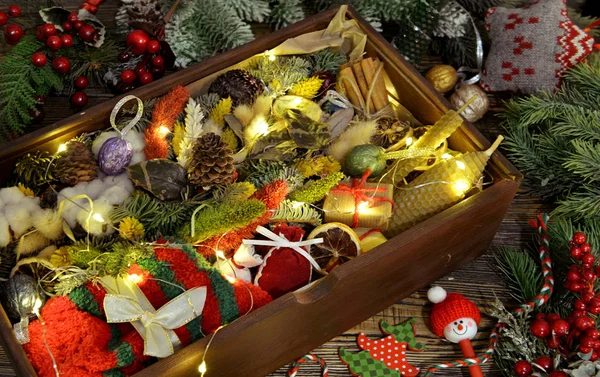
{"x":152,"y":65}
{"x":523,"y":368}
{"x":13,"y":32}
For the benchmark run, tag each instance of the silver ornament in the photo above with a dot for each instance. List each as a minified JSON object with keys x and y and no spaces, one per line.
{"x":20,"y":296}
{"x":477,"y":109}
{"x":115,"y":155}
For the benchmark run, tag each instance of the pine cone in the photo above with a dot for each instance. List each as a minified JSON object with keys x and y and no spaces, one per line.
{"x":76,"y":164}
{"x":212,"y":163}
{"x":238,"y":84}
{"x":148,"y":11}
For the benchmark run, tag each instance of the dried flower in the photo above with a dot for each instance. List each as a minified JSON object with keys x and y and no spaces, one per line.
{"x":131,"y":229}
{"x":25,"y":190}
{"x":60,"y":257}
{"x":322,"y":166}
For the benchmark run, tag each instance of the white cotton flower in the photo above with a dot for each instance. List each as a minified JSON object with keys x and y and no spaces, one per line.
{"x":95,"y":188}
{"x":18,"y":218}
{"x":115,"y":195}
{"x":137,"y":158}
{"x":136,"y":139}
{"x":11,"y":195}
{"x":96,"y":223}
{"x":4,"y":231}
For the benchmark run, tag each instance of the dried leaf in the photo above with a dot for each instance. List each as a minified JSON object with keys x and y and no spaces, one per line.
{"x":306,"y":132}
{"x":339,"y":121}
{"x":235,"y":125}
{"x":165,"y":179}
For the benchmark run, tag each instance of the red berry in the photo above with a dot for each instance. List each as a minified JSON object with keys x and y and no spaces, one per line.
{"x":594,"y":356}
{"x":145,"y":78}
{"x":579,"y":238}
{"x":81,"y":82}
{"x":48,"y":30}
{"x":576,"y":253}
{"x":158,"y":61}
{"x":124,"y":57}
{"x":587,"y":342}
{"x":128,"y":76}
{"x":552,"y":343}
{"x":584,"y":322}
{"x":54,"y":42}
{"x":552,"y":317}
{"x":3,"y":18}
{"x":77,"y":25}
{"x":573,"y":276}
{"x":86,"y":33}
{"x":39,"y":59}
{"x":14,"y":11}
{"x":587,"y":297}
{"x":580,"y":305}
{"x":540,"y":316}
{"x":577,"y":313}
{"x":67,"y":26}
{"x":66,"y":40}
{"x":540,"y":328}
{"x":72,"y":17}
{"x":597,"y":270}
{"x":586,"y":248}
{"x":558,"y":373}
{"x":583,"y":349}
{"x":79,"y":99}
{"x":157,"y":72}
{"x":40,"y":35}
{"x":40,"y":99}
{"x":588,"y":275}
{"x":61,"y":65}
{"x":560,"y":327}
{"x":139,"y":70}
{"x":522,"y":368}
{"x":587,"y":266}
{"x":595,"y":310}
{"x":588,"y":258}
{"x":153,"y":46}
{"x":576,"y":287}
{"x":137,"y":41}
{"x":38,"y":114}
{"x":12,"y":34}
{"x":545,"y":362}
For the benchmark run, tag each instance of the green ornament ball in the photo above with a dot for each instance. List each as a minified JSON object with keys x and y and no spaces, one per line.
{"x":364,"y":157}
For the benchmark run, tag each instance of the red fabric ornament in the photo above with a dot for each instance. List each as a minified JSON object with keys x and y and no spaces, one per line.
{"x":532,"y":47}
{"x":284,"y":269}
{"x":390,"y":352}
{"x":452,"y":308}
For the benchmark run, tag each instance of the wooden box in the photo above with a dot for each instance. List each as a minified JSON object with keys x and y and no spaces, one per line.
{"x":296,"y":323}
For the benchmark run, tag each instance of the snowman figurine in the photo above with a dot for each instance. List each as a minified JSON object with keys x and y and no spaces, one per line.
{"x":455,"y":318}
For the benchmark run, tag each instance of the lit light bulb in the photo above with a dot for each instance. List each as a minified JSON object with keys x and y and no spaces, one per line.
{"x":461,"y":186}
{"x":296,"y":102}
{"x":409,"y":141}
{"x":98,"y":217}
{"x":461,"y":165}
{"x":220,"y":254}
{"x":37,"y":306}
{"x":61,"y":148}
{"x":163,"y":130}
{"x":272,"y":56}
{"x":446,"y":156}
{"x":363,"y":207}
{"x":202,"y":368}
{"x":260,"y":126}
{"x":135,"y":278}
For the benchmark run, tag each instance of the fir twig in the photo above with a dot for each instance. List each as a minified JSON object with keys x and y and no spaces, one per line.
{"x":521,"y":272}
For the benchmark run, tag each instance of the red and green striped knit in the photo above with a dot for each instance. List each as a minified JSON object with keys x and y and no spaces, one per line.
{"x":84,"y":345}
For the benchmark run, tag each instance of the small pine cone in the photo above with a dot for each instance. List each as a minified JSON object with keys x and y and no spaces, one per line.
{"x":212,"y":163}
{"x":76,"y":164}
{"x":238,"y":84}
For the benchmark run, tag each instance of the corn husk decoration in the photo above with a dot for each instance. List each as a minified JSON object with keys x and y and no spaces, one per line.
{"x":438,"y":188}
{"x":433,"y":138}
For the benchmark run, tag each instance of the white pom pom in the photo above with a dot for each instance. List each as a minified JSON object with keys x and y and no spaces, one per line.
{"x":436,"y":294}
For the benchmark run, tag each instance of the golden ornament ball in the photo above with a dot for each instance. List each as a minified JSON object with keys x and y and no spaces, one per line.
{"x":442,"y":77}
{"x":477,"y":109}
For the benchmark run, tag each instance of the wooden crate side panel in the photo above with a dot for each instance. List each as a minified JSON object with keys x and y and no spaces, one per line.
{"x":272,"y":336}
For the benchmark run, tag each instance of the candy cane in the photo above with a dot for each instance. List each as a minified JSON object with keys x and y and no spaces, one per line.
{"x":311,"y":357}
{"x":541,"y":298}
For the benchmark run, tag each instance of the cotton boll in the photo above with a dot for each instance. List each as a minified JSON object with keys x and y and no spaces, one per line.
{"x":48,"y":222}
{"x":18,"y":218}
{"x":4,"y":232}
{"x":136,"y":139}
{"x":95,"y":188}
{"x":137,"y":158}
{"x":11,"y":195}
{"x":32,"y":242}
{"x":69,"y":214}
{"x":100,"y":139}
{"x":91,"y":223}
{"x":116,"y":195}
{"x":2,"y":203}
{"x":30,"y":204}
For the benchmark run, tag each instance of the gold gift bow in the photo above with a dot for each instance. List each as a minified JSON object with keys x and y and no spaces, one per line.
{"x":154,"y":326}
{"x":280,"y":241}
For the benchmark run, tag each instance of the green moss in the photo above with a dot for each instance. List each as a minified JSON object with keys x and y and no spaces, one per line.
{"x":315,"y":191}
{"x":227,"y":216}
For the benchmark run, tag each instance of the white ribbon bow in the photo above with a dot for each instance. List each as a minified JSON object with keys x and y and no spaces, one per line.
{"x":278,"y":241}
{"x":239,"y":266}
{"x":154,"y":326}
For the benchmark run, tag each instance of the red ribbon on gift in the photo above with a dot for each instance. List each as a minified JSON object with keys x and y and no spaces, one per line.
{"x":359,"y":192}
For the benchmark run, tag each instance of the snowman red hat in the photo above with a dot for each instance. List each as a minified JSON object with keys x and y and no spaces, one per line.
{"x":449,"y":308}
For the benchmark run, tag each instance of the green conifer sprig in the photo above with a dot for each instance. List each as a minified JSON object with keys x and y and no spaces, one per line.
{"x":327,"y":61}
{"x":250,"y":10}
{"x":286,"y":12}
{"x":20,"y":82}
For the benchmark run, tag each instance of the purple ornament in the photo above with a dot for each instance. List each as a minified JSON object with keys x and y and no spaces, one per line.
{"x":115,"y":155}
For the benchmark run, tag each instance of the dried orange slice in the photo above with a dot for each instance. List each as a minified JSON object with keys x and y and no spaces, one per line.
{"x":340,"y":244}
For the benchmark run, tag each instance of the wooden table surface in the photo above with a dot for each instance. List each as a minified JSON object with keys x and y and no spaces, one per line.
{"x":477,"y":280}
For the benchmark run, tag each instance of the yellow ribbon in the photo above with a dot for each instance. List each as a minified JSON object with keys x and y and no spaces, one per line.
{"x":154,"y":326}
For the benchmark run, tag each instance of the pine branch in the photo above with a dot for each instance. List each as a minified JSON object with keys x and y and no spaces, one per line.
{"x":285,"y":12}
{"x":585,"y":160}
{"x":327,"y":61}
{"x":263,"y":172}
{"x":90,"y":62}
{"x":295,"y":212}
{"x":250,"y":10}
{"x":521,"y":272}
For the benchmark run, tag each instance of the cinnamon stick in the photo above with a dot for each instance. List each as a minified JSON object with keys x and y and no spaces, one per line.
{"x":367,"y":66}
{"x":364,"y":87}
{"x":350,"y":86}
{"x":380,"y":84}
